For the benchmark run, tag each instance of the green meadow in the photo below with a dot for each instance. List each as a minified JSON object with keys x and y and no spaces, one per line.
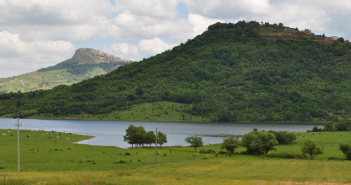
{"x":47,"y":159}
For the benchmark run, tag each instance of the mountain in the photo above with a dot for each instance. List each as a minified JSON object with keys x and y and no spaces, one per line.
{"x":232,"y":72}
{"x":85,"y":63}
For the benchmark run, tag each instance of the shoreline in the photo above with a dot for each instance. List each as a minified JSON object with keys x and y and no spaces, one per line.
{"x":181,"y":121}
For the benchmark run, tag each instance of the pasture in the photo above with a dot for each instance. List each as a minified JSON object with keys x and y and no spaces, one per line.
{"x":50,"y":159}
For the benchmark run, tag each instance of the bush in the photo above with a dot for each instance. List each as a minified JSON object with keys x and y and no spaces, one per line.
{"x":346,"y":149}
{"x":287,"y":155}
{"x":311,"y":148}
{"x":284,"y":138}
{"x":335,"y":158}
{"x":230,"y":144}
{"x":222,"y":152}
{"x":120,"y":162}
{"x":128,"y":154}
{"x":316,"y":129}
{"x":209,"y":151}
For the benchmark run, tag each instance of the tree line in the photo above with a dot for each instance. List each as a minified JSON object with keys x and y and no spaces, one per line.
{"x":139,"y":137}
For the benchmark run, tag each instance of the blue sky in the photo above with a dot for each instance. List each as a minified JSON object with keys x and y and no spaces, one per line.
{"x":36,"y":34}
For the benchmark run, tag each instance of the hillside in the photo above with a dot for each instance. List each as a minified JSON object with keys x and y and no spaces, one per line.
{"x":86,"y":63}
{"x":231,"y":72}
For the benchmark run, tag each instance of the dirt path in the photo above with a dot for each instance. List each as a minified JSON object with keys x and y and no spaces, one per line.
{"x":22,"y":82}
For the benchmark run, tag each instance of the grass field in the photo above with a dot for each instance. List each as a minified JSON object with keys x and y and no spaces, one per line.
{"x":222,"y":171}
{"x":46,"y":159}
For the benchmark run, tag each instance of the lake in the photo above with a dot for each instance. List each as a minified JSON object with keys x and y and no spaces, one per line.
{"x":110,"y":133}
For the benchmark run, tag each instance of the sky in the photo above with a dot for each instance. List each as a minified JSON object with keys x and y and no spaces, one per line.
{"x":39,"y":33}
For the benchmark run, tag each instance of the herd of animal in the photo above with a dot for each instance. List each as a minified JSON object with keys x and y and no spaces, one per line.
{"x":56,"y":134}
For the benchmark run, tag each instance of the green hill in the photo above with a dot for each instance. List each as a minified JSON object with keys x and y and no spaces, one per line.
{"x":86,"y":63}
{"x":231,"y":72}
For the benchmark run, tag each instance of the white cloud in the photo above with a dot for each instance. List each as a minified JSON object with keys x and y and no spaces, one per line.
{"x":18,"y":57}
{"x":228,"y":9}
{"x":78,"y":20}
{"x":154,"y":46}
{"x":201,"y":23}
{"x":123,"y":50}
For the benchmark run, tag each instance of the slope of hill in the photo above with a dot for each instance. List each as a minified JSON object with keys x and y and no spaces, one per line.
{"x":86,"y":63}
{"x":232,"y":72}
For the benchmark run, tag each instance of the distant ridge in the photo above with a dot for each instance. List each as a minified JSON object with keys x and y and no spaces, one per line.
{"x":85,"y":63}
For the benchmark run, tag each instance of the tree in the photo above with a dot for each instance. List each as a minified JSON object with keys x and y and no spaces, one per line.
{"x":140,"y":135}
{"x":346,"y":149}
{"x":161,"y":138}
{"x":194,"y":141}
{"x":130,"y":135}
{"x":230,"y":144}
{"x":341,"y":39}
{"x":139,"y":91}
{"x":150,"y":137}
{"x":310,"y":148}
{"x":135,"y":135}
{"x":264,"y":142}
{"x":246,"y":141}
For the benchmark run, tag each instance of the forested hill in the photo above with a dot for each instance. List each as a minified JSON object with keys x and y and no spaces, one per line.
{"x":85,"y":63}
{"x":231,"y":72}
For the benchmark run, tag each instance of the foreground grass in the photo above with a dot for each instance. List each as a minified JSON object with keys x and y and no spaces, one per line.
{"x":46,"y":159}
{"x":43,"y":151}
{"x":222,"y":171}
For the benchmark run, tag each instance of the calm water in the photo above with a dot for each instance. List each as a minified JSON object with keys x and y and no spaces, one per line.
{"x":110,"y":133}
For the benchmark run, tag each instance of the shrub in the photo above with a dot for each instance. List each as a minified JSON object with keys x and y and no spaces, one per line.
{"x":209,"y":151}
{"x":311,"y":148}
{"x":335,"y":158}
{"x":120,"y":162}
{"x":284,"y":137}
{"x":346,"y":149}
{"x":287,"y":155}
{"x":230,"y":144}
{"x":127,"y":154}
{"x":222,"y":152}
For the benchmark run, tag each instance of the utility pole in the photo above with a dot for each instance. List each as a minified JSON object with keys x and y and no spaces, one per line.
{"x":18,"y":144}
{"x":156,"y":148}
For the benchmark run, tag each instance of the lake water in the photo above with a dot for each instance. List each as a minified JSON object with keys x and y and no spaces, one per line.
{"x":110,"y":133}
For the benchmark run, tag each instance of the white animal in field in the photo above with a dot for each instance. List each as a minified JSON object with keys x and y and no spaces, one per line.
{"x":8,"y":131}
{"x":4,"y":134}
{"x":67,"y":138}
{"x":43,"y":134}
{"x":47,"y":133}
